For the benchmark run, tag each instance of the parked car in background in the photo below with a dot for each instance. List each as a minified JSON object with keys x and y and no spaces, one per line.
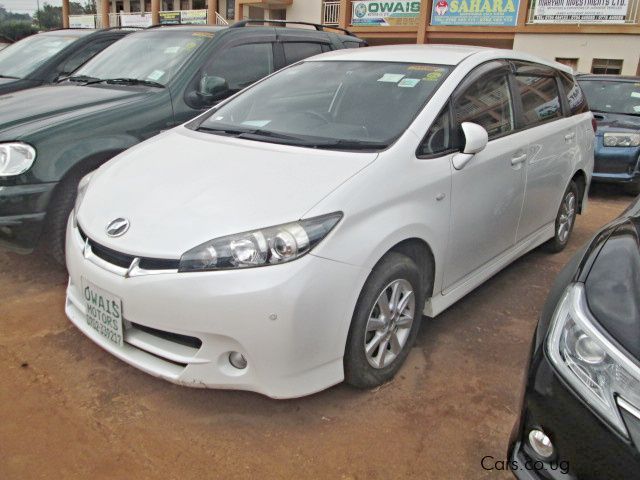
{"x":293,"y":236}
{"x":150,"y":81}
{"x":615,"y":101}
{"x":581,"y":403}
{"x":47,"y":57}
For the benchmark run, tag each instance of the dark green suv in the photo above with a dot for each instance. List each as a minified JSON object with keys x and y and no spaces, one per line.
{"x":149,"y":81}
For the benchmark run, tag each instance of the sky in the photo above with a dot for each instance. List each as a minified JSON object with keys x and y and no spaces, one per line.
{"x":27,"y":6}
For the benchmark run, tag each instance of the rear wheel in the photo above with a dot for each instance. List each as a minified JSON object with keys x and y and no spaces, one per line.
{"x":385,"y":322}
{"x":565,"y":219}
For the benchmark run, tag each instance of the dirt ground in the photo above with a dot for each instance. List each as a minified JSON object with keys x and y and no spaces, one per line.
{"x":69,"y":410}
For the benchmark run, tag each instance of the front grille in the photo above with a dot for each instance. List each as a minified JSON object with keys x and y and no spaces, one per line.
{"x":124,"y":260}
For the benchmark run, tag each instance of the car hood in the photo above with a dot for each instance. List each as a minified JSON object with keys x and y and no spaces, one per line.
{"x":53,"y":102}
{"x":608,"y":122}
{"x":183,"y":188}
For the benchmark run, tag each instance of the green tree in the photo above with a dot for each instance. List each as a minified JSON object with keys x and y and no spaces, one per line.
{"x":50,"y":17}
{"x":16,"y":29}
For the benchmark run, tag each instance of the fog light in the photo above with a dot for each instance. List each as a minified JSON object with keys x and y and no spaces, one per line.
{"x":541,"y":444}
{"x":237,"y":360}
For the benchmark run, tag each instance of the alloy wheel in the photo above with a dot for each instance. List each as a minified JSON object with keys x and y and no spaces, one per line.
{"x":389,"y":323}
{"x":567,"y":216}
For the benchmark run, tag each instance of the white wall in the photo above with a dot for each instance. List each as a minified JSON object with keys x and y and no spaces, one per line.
{"x":305,"y":11}
{"x":584,"y":47}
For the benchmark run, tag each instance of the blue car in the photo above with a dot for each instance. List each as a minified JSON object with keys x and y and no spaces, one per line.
{"x":615,"y":103}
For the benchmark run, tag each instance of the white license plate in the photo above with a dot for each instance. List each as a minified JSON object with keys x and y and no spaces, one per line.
{"x":104,"y":312}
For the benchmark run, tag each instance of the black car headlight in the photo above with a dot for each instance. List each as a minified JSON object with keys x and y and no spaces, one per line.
{"x":262,"y":247}
{"x":596,"y":368}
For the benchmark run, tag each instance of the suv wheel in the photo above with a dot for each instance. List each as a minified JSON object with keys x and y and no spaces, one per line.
{"x":385,"y":322}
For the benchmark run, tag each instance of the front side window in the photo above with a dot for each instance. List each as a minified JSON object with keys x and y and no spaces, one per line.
{"x":23,"y":57}
{"x":540,"y":99}
{"x":610,"y":96}
{"x":330,"y":104}
{"x":242,"y":65}
{"x":154,"y":56}
{"x":438,"y":139}
{"x":487,"y":102}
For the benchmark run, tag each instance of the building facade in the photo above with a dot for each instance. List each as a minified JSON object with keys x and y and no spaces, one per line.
{"x":599,"y":36}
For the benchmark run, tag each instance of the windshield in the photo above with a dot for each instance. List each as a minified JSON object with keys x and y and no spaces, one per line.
{"x":612,"y":97}
{"x":153,"y":56}
{"x":23,"y":57}
{"x":331,"y":104}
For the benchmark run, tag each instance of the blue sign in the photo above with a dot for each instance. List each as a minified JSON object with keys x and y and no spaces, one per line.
{"x":486,"y":13}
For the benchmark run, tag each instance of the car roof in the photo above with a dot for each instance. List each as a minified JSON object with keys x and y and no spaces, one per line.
{"x":66,"y":32}
{"x":608,"y":78}
{"x":435,"y":54}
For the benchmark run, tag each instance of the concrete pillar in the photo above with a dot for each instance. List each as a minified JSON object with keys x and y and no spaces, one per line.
{"x":104,"y":12}
{"x":345,"y":14}
{"x":424,"y":20}
{"x":155,"y":12}
{"x":212,"y":8}
{"x":239,"y":10}
{"x":65,"y":13}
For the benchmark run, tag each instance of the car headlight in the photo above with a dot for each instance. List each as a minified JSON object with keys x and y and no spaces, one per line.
{"x":257,"y":248}
{"x":82,"y":189}
{"x":15,"y":158}
{"x":621,"y":139}
{"x":589,"y":361}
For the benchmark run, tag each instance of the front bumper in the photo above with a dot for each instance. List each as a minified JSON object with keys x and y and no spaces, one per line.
{"x":22,"y":214}
{"x":290,"y":321}
{"x":587,"y":448}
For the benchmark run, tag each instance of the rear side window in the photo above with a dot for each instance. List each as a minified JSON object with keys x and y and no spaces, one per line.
{"x":540,"y":99}
{"x":487,"y":102}
{"x":575,"y":96}
{"x":348,"y":44}
{"x":296,"y":51}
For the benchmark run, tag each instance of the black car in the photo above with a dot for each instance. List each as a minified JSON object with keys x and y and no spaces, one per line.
{"x":580,"y":415}
{"x":615,"y":103}
{"x":47,"y":57}
{"x":152,"y":80}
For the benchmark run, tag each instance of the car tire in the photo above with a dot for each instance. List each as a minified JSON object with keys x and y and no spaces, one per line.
{"x":632,"y":189}
{"x":394,"y":329}
{"x":60,"y":208}
{"x":565,"y":219}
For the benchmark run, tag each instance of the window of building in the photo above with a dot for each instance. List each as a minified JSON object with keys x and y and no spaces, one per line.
{"x":184,"y":4}
{"x":487,"y":102}
{"x":279,"y":14}
{"x":540,"y":99}
{"x":231,"y":10}
{"x":606,"y":66}
{"x":569,"y":62}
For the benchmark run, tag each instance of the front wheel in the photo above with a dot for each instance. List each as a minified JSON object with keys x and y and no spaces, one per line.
{"x":565,"y":219}
{"x":385,"y":322}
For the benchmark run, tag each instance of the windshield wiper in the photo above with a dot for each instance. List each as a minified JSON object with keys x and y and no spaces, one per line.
{"x":344,"y":144}
{"x":9,"y":76}
{"x":126,"y":81}
{"x":79,"y":78}
{"x":258,"y":135}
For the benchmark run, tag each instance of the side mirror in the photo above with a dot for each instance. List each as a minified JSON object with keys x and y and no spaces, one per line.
{"x":475,"y":140}
{"x":212,"y":88}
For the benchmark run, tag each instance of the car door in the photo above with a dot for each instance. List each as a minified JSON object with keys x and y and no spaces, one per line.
{"x":487,"y":193}
{"x":240,"y":63}
{"x":552,"y":144}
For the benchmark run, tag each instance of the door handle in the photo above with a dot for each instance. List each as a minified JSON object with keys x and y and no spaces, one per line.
{"x":518,"y":160}
{"x":569,"y":136}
